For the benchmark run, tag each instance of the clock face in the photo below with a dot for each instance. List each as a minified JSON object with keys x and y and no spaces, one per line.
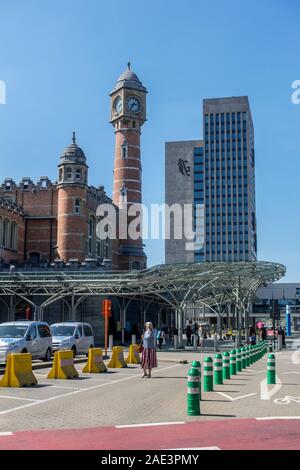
{"x":134,"y":104}
{"x":118,"y":105}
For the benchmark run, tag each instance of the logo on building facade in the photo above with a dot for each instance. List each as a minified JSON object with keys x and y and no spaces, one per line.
{"x":296,"y":93}
{"x":184,"y":169}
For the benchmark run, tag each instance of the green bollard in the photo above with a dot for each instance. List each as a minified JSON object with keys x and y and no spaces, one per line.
{"x":193,"y":402}
{"x":218,"y":374}
{"x":244,"y":361}
{"x":197,"y":365}
{"x":233,"y":362}
{"x":271,"y":372}
{"x":226,"y":367}
{"x":247,"y":356}
{"x":251,"y":355}
{"x":238,"y":360}
{"x":208,"y":375}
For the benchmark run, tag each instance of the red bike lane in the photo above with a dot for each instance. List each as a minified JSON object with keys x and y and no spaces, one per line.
{"x":237,"y":434}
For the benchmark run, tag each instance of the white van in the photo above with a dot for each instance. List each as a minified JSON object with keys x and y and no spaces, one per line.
{"x":32,"y":337}
{"x":77,"y":336}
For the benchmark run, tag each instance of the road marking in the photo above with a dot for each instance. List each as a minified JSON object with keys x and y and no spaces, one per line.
{"x":287,"y":400}
{"x":2,"y":434}
{"x":18,"y":398}
{"x":64,"y":386}
{"x":265,"y":393}
{"x":236,"y":398}
{"x":74,"y":392}
{"x":267,"y":418}
{"x":285,"y":373}
{"x":123,"y":426}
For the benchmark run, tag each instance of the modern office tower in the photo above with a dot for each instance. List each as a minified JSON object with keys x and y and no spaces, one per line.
{"x":222,"y":177}
{"x":179,"y":187}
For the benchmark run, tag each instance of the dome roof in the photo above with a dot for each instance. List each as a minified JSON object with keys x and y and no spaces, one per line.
{"x":129,"y":79}
{"x":73,"y":153}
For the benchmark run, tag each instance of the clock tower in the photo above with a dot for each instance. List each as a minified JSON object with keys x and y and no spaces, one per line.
{"x":128,"y":114}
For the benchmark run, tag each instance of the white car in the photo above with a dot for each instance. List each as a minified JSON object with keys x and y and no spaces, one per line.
{"x":77,"y":336}
{"x":33,"y":337}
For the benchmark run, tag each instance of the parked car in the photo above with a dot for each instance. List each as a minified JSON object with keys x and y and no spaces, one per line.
{"x":32,"y":337}
{"x":77,"y":336}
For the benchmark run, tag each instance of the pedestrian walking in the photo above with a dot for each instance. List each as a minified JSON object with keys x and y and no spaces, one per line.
{"x":282,"y":333}
{"x":201,"y":336}
{"x":188,"y":333}
{"x":149,"y":360}
{"x":160,"y":338}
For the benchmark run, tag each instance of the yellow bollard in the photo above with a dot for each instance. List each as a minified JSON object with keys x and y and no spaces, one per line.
{"x":18,"y":371}
{"x":133,"y":356}
{"x":63,"y":366}
{"x":95,"y":362}
{"x":117,"y":360}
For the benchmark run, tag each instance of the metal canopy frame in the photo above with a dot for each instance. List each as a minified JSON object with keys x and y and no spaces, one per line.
{"x":213,"y":285}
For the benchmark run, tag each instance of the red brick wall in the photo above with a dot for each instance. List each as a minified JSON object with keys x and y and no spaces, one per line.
{"x":71,"y":229}
{"x":9,"y":255}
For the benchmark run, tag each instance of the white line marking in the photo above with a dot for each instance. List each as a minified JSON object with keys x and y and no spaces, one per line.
{"x":265,"y":393}
{"x":285,"y":373}
{"x":94,"y":387}
{"x":237,"y":398}
{"x":2,"y":434}
{"x":64,"y":386}
{"x":18,"y":398}
{"x":123,"y":426}
{"x":277,"y":417}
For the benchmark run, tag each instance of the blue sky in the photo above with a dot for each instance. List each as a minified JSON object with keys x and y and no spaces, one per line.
{"x":60,"y":59}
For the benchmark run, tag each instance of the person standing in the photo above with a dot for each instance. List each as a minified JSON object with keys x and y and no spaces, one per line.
{"x":149,"y":360}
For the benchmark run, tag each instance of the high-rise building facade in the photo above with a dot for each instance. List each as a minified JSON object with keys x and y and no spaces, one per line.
{"x":222,"y":181}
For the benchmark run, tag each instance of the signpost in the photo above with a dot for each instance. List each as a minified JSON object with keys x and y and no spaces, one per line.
{"x":106,"y":312}
{"x":288,"y":320}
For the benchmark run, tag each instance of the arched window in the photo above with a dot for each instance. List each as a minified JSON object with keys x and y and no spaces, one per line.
{"x":124,"y":151}
{"x":77,"y":208}
{"x":13,"y":236}
{"x":78,"y":173}
{"x":107,"y":249}
{"x":5,"y":233}
{"x":69,"y":172}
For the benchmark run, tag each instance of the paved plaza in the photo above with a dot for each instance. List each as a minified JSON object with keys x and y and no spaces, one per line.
{"x":121,"y":398}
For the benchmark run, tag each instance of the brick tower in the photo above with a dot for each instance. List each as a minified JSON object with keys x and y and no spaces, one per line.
{"x":128,"y":114}
{"x":72,"y":224}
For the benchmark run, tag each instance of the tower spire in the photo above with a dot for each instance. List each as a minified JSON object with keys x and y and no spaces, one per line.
{"x":129,"y":65}
{"x":74,"y":137}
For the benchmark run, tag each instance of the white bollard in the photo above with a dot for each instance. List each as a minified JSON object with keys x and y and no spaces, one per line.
{"x":195,"y":341}
{"x":175,"y":342}
{"x":110,"y":342}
